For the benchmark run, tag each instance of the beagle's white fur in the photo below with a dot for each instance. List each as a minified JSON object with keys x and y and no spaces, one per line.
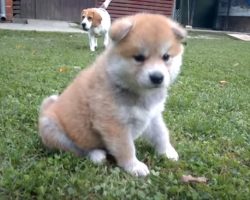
{"x":97,"y":22}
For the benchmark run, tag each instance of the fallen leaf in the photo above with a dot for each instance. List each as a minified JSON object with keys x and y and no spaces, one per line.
{"x":63,"y":69}
{"x":77,"y":67}
{"x":19,"y":46}
{"x":191,"y":179}
{"x":223,"y":82}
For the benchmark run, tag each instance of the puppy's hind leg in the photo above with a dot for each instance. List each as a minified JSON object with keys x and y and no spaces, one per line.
{"x":51,"y":132}
{"x":47,"y":102}
{"x":54,"y":137}
{"x":97,"y":156}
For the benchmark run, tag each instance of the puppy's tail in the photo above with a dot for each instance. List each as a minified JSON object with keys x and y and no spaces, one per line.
{"x":105,"y":4}
{"x":47,"y":102}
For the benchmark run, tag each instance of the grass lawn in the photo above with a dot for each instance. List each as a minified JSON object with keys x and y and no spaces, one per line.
{"x":209,"y":122}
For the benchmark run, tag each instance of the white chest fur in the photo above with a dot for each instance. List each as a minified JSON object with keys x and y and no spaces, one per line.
{"x":98,"y":31}
{"x":138,"y":117}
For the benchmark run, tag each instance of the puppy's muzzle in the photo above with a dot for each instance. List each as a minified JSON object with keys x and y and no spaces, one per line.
{"x":156,"y":78}
{"x":84,"y":27}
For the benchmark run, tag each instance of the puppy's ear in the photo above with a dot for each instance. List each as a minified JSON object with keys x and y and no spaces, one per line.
{"x":119,"y":29}
{"x":97,"y":19}
{"x":179,"y":31}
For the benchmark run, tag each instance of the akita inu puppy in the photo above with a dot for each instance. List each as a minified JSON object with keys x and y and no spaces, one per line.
{"x":120,"y":96}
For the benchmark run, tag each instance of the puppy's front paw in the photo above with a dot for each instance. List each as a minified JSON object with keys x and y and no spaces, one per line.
{"x":137,"y":168}
{"x":172,"y":154}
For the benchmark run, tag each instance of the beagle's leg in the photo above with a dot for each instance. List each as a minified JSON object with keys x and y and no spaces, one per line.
{"x":91,"y":42}
{"x":106,"y":39}
{"x":96,"y":42}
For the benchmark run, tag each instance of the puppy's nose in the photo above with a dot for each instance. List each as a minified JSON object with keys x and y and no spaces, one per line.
{"x":83,"y":25}
{"x":156,"y":78}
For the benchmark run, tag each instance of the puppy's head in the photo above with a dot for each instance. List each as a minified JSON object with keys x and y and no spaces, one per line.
{"x":90,"y":18}
{"x":146,"y":51}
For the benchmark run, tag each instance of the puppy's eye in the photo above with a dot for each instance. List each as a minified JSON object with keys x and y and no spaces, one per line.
{"x":89,"y":18}
{"x":165,"y":57}
{"x":139,"y":58}
{"x":83,"y":17}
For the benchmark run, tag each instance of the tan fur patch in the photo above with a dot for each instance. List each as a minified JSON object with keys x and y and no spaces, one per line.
{"x":147,"y":39}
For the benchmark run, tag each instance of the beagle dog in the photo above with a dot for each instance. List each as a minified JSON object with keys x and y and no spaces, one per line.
{"x":97,"y":22}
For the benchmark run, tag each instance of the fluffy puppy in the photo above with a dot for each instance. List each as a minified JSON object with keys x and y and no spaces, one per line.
{"x":97,"y":22}
{"x":120,"y":96}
